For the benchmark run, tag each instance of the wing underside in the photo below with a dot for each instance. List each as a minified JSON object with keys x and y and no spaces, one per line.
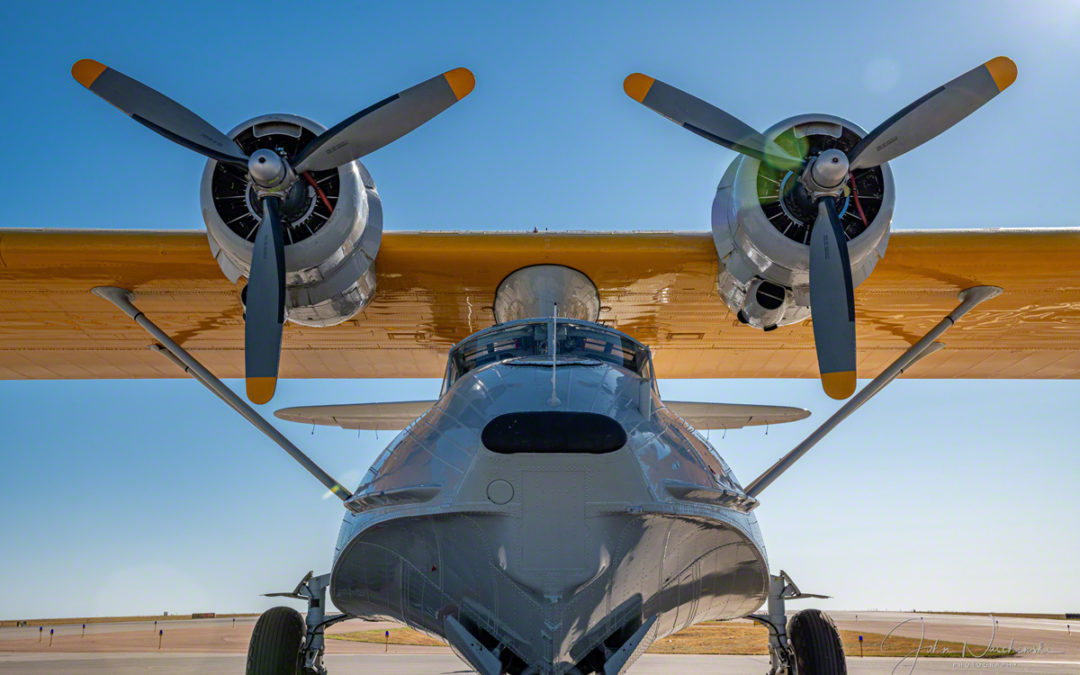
{"x":436,"y":288}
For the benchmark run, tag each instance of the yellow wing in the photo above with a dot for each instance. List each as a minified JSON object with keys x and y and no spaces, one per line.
{"x":435,"y":288}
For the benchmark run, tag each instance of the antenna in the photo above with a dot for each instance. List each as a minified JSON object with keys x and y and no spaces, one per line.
{"x":553,"y":340}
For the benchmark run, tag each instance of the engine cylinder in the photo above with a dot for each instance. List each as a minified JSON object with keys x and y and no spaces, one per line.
{"x":332,"y":223}
{"x":762,"y":218}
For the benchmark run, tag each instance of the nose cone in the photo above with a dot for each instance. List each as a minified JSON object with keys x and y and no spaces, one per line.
{"x":266,"y":168}
{"x":830,"y":168}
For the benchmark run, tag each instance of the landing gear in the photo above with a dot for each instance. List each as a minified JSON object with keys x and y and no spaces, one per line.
{"x":816,"y":643}
{"x":807,"y":645}
{"x":276,"y":643}
{"x":284,"y":642}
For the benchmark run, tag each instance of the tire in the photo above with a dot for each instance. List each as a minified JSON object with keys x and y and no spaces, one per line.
{"x":276,"y":643}
{"x":816,"y":643}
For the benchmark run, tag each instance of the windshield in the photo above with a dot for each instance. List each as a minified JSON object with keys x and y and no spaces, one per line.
{"x":530,"y":338}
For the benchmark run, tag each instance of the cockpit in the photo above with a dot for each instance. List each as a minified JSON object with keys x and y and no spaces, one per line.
{"x":533,"y":341}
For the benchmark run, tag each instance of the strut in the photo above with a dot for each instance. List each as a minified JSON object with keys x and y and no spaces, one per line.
{"x":122,"y":299}
{"x":969,"y":298}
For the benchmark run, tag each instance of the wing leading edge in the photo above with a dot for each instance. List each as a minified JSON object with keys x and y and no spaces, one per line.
{"x":435,"y":288}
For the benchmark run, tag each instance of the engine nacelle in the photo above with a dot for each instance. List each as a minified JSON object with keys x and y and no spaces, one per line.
{"x":332,"y":224}
{"x":762,"y":217}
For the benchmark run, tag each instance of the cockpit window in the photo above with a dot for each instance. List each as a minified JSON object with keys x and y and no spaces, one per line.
{"x":491,"y":346}
{"x":588,"y":342}
{"x":530,"y":338}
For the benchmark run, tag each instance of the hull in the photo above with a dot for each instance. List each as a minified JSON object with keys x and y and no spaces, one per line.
{"x":549,"y":562}
{"x":419,"y":570}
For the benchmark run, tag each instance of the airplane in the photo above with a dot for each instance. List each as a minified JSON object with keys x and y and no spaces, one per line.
{"x":550,"y":512}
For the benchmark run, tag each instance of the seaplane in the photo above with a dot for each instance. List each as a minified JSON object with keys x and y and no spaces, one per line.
{"x":550,"y":512}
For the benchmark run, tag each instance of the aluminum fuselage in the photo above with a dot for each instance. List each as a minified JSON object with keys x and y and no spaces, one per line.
{"x":550,"y":560}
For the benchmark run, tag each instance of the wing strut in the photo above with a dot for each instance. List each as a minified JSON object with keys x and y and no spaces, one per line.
{"x":122,"y":299}
{"x":969,"y":298}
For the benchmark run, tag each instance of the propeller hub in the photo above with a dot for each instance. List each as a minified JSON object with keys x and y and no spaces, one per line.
{"x":267,"y":169}
{"x":830,"y":169}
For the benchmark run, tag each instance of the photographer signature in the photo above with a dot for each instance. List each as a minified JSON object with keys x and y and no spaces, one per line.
{"x":989,"y":652}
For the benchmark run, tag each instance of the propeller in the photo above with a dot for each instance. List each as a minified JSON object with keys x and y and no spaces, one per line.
{"x":832,"y":297}
{"x":384,"y":122}
{"x":272,"y":176}
{"x":706,"y":120}
{"x":824,"y":177}
{"x":264,"y":315}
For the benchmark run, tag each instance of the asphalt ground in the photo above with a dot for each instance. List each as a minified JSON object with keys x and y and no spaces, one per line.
{"x":432,"y":664}
{"x":219,"y":646}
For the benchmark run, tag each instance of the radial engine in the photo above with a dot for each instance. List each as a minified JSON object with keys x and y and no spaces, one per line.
{"x":331,"y":222}
{"x":762,"y":217}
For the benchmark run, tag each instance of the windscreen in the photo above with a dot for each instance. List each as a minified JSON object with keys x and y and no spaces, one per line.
{"x":531,"y":339}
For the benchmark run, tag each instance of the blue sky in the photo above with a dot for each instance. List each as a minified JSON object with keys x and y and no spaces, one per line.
{"x":129,"y":497}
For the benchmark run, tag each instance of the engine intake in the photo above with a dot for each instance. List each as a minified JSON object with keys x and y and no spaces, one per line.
{"x":331,"y":221}
{"x":762,"y":218}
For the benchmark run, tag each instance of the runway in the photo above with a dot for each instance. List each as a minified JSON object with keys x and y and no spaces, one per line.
{"x":445,"y":663}
{"x":219,"y":645}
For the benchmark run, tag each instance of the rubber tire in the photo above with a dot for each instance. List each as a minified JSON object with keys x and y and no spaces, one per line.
{"x":816,"y":643}
{"x":276,"y":643}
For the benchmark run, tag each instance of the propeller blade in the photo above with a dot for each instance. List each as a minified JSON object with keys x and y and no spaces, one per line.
{"x":264,"y":315}
{"x":384,"y":122}
{"x":157,"y":111}
{"x":706,"y":120}
{"x":933,"y":113}
{"x":832,"y":302}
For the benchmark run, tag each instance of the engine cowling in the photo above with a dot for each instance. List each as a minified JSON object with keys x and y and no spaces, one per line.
{"x":332,"y":224}
{"x":762,"y":217}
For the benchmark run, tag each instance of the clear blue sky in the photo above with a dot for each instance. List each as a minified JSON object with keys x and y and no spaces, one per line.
{"x":129,"y":497}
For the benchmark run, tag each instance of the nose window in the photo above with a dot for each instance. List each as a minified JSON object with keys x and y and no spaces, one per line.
{"x":553,"y":431}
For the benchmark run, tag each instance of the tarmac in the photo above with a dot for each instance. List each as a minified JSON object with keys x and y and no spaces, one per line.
{"x":219,"y":646}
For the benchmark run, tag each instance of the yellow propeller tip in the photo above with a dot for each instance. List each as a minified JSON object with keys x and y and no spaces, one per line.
{"x":1003,"y":70}
{"x":461,"y":81}
{"x":637,"y":86}
{"x":839,"y":385}
{"x":261,"y":389}
{"x":86,"y":71}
